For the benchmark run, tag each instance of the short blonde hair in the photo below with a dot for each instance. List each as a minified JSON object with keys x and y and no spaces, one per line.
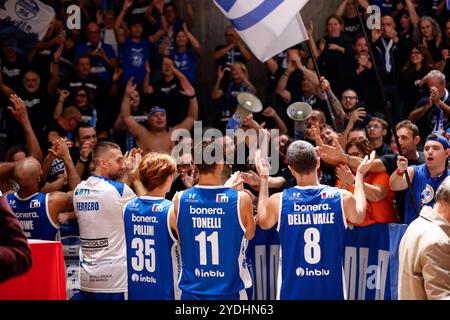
{"x":155,"y":168}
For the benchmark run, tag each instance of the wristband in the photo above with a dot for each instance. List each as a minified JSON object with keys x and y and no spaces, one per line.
{"x":84,"y":161}
{"x":192,"y":97}
{"x":287,"y":74}
{"x":398,"y":172}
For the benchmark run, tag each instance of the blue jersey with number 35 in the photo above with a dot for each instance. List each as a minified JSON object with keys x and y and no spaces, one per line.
{"x":152,"y":251}
{"x":311,"y":229}
{"x":212,"y":242}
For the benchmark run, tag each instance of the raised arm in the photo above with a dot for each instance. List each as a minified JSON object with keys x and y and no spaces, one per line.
{"x":397,"y":181}
{"x":188,"y":13}
{"x":192,"y":39}
{"x":21,"y":115}
{"x":341,"y":9}
{"x":217,"y":93}
{"x":412,"y":13}
{"x":63,"y":94}
{"x":246,"y":212}
{"x":268,"y":208}
{"x":136,"y":129}
{"x":271,"y":113}
{"x":62,"y":152}
{"x":189,"y":92}
{"x":52,"y":85}
{"x":282,"y":82}
{"x":118,"y":23}
{"x":355,"y":205}
{"x":146,"y":86}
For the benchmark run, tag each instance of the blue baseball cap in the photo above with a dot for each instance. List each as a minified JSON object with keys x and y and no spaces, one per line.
{"x":156,"y":109}
{"x":438,"y":138}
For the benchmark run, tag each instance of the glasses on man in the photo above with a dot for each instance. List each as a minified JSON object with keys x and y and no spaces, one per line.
{"x":373,"y":126}
{"x":349,"y":98}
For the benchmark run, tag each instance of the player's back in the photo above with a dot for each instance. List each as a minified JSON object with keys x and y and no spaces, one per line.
{"x":311,"y":229}
{"x":212,"y":244}
{"x":153,"y":256}
{"x":98,"y":203}
{"x":32,"y":213}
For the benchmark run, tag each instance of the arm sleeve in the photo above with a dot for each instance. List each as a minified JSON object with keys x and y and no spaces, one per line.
{"x":15,"y":254}
{"x":436,"y":266}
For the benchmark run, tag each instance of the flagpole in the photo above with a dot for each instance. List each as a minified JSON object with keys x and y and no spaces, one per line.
{"x":386,"y":103}
{"x":316,"y":67}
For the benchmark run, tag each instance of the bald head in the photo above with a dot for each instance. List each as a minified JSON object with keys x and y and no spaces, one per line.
{"x":27,"y":172}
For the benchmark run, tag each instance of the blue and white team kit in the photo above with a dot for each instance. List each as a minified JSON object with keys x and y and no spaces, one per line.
{"x":212,"y":245}
{"x":98,"y":203}
{"x":311,"y":229}
{"x":153,"y":255}
{"x":32,"y":213}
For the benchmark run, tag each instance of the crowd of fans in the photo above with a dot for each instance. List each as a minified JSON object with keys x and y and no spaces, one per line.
{"x":130,"y":76}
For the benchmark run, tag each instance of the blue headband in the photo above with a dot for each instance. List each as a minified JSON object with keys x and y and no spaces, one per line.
{"x":438,"y":138}
{"x":156,"y":109}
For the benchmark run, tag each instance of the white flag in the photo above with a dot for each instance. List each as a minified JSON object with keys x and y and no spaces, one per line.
{"x":24,"y":22}
{"x":267,"y":26}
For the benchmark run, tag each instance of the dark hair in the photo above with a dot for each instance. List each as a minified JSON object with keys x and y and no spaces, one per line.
{"x":82,"y":126}
{"x":383,"y":122}
{"x":407,"y":124}
{"x":302,"y":157}
{"x":210,"y":146}
{"x":363,"y":145}
{"x":427,"y":63}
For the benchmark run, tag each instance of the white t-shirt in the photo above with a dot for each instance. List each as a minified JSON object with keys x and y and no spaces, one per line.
{"x":98,"y":204}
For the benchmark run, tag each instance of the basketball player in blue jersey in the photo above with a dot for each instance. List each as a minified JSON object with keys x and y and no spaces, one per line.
{"x":214,"y":224}
{"x":98,"y":203}
{"x":153,"y":256}
{"x":38,"y":212}
{"x":312,"y":219}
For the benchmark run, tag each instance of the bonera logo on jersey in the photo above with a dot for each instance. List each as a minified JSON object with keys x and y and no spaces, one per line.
{"x":157,"y":208}
{"x":141,"y":278}
{"x":209,"y":273}
{"x":251,"y":18}
{"x":312,"y":272}
{"x":221,"y":198}
{"x":298,"y":207}
{"x":35,"y":203}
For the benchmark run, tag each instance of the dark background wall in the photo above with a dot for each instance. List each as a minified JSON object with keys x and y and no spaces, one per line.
{"x":209,"y":27}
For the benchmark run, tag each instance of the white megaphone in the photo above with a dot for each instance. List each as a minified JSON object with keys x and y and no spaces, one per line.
{"x":299,"y":111}
{"x":247,"y":103}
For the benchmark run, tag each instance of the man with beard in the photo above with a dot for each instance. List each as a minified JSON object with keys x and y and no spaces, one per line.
{"x":425,"y":178}
{"x":38,"y":101}
{"x":98,"y":203}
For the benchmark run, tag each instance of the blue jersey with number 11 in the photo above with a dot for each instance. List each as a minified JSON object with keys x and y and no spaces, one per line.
{"x":212,"y":242}
{"x":311,"y":229}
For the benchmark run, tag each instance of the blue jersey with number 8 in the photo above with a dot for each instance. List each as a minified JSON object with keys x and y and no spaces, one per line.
{"x":311,"y":230}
